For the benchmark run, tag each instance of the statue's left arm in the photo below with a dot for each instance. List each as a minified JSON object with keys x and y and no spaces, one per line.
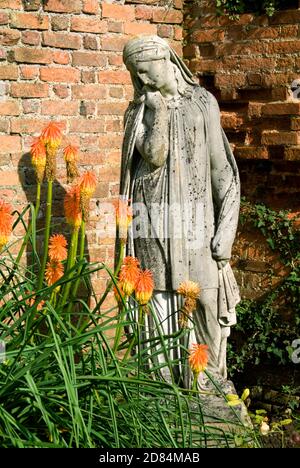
{"x":225,"y":185}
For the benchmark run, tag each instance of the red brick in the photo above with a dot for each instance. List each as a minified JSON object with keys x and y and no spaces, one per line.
{"x":59,"y":23}
{"x":283,"y":47}
{"x":251,"y":152}
{"x":89,"y":24}
{"x":88,"y":76}
{"x":282,"y":17}
{"x":89,"y":91}
{"x":29,"y":72}
{"x":114,"y":43}
{"x":31,"y":106}
{"x":27,"y":55}
{"x":115,"y":26}
{"x":8,"y":178}
{"x":165,"y":30}
{"x":292,"y":153}
{"x":231,"y":120}
{"x":115,"y":60}
{"x":111,"y":108}
{"x":4,"y":18}
{"x":87,"y":126}
{"x":281,"y":108}
{"x":63,"y":6}
{"x":143,"y":12}
{"x":9,"y":37}
{"x":254,"y":109}
{"x":90,"y":7}
{"x":178,"y":33}
{"x":295,"y":123}
{"x":58,"y":74}
{"x":61,"y":57}
{"x":163,"y":15}
{"x":289,"y":31}
{"x":231,"y":80}
{"x":11,"y":4}
{"x":61,"y":91}
{"x":61,"y":40}
{"x":59,"y":108}
{"x":273,"y":137}
{"x":209,"y":35}
{"x":89,"y":59}
{"x":116,"y":92}
{"x":29,"y":21}
{"x":113,"y":125}
{"x":114,"y":77}
{"x":31,"y":37}
{"x":139,"y":28}
{"x":9,"y":108}
{"x":121,"y":12}
{"x":9,"y":144}
{"x":8,"y":72}
{"x":27,"y":125}
{"x":91,"y":42}
{"x":87,"y":108}
{"x":29,"y":90}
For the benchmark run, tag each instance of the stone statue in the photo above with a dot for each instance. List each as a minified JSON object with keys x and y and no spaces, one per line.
{"x":179,"y":172}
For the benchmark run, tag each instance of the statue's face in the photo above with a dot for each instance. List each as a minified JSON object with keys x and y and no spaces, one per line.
{"x":153,"y":74}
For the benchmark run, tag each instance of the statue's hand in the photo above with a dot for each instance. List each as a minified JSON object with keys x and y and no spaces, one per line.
{"x":154,"y":100}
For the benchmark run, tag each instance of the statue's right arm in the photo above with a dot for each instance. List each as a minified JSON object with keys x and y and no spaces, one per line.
{"x":153,"y":136}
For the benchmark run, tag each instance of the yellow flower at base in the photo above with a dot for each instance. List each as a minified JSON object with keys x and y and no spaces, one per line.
{"x":144,"y":287}
{"x":71,"y":158}
{"x":87,"y":184}
{"x":129,"y":274}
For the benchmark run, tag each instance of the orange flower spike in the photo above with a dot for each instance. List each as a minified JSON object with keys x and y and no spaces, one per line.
{"x":144,"y":287}
{"x":189,"y":289}
{"x":124,"y":217}
{"x":87,"y":184}
{"x":54,"y":271}
{"x":57,"y":248}
{"x":72,"y":207}
{"x":71,"y":158}
{"x":38,"y":158}
{"x":129,"y":274}
{"x":198,"y":358}
{"x":71,"y":153}
{"x":6,"y":221}
{"x":52,"y":135}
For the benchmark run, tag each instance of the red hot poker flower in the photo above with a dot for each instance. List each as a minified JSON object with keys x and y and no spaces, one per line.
{"x":129,"y":274}
{"x":198,"y":358}
{"x":144,"y":287}
{"x":6,"y":221}
{"x":57,"y":248}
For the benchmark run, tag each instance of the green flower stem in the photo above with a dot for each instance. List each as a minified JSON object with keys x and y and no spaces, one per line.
{"x":118,"y":334}
{"x":116,"y":272}
{"x":47,"y":233}
{"x":136,"y":337}
{"x":195,"y":381}
{"x":70,"y":264}
{"x":81,"y":255}
{"x":38,"y":199}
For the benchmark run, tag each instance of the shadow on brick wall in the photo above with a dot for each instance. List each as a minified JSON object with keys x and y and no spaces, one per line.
{"x":58,"y":225}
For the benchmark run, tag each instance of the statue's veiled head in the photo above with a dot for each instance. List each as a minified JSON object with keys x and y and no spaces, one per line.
{"x":152,"y":62}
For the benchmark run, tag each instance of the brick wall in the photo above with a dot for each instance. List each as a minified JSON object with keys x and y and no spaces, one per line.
{"x":249,"y":65}
{"x":62,"y":60}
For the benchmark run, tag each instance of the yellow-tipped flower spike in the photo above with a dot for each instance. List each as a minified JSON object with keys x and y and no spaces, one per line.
{"x":129,"y":275}
{"x":72,"y":207}
{"x":38,"y":158}
{"x":144,"y":287}
{"x":123,"y":218}
{"x":87,"y":183}
{"x":71,"y":158}
{"x":6,"y":221}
